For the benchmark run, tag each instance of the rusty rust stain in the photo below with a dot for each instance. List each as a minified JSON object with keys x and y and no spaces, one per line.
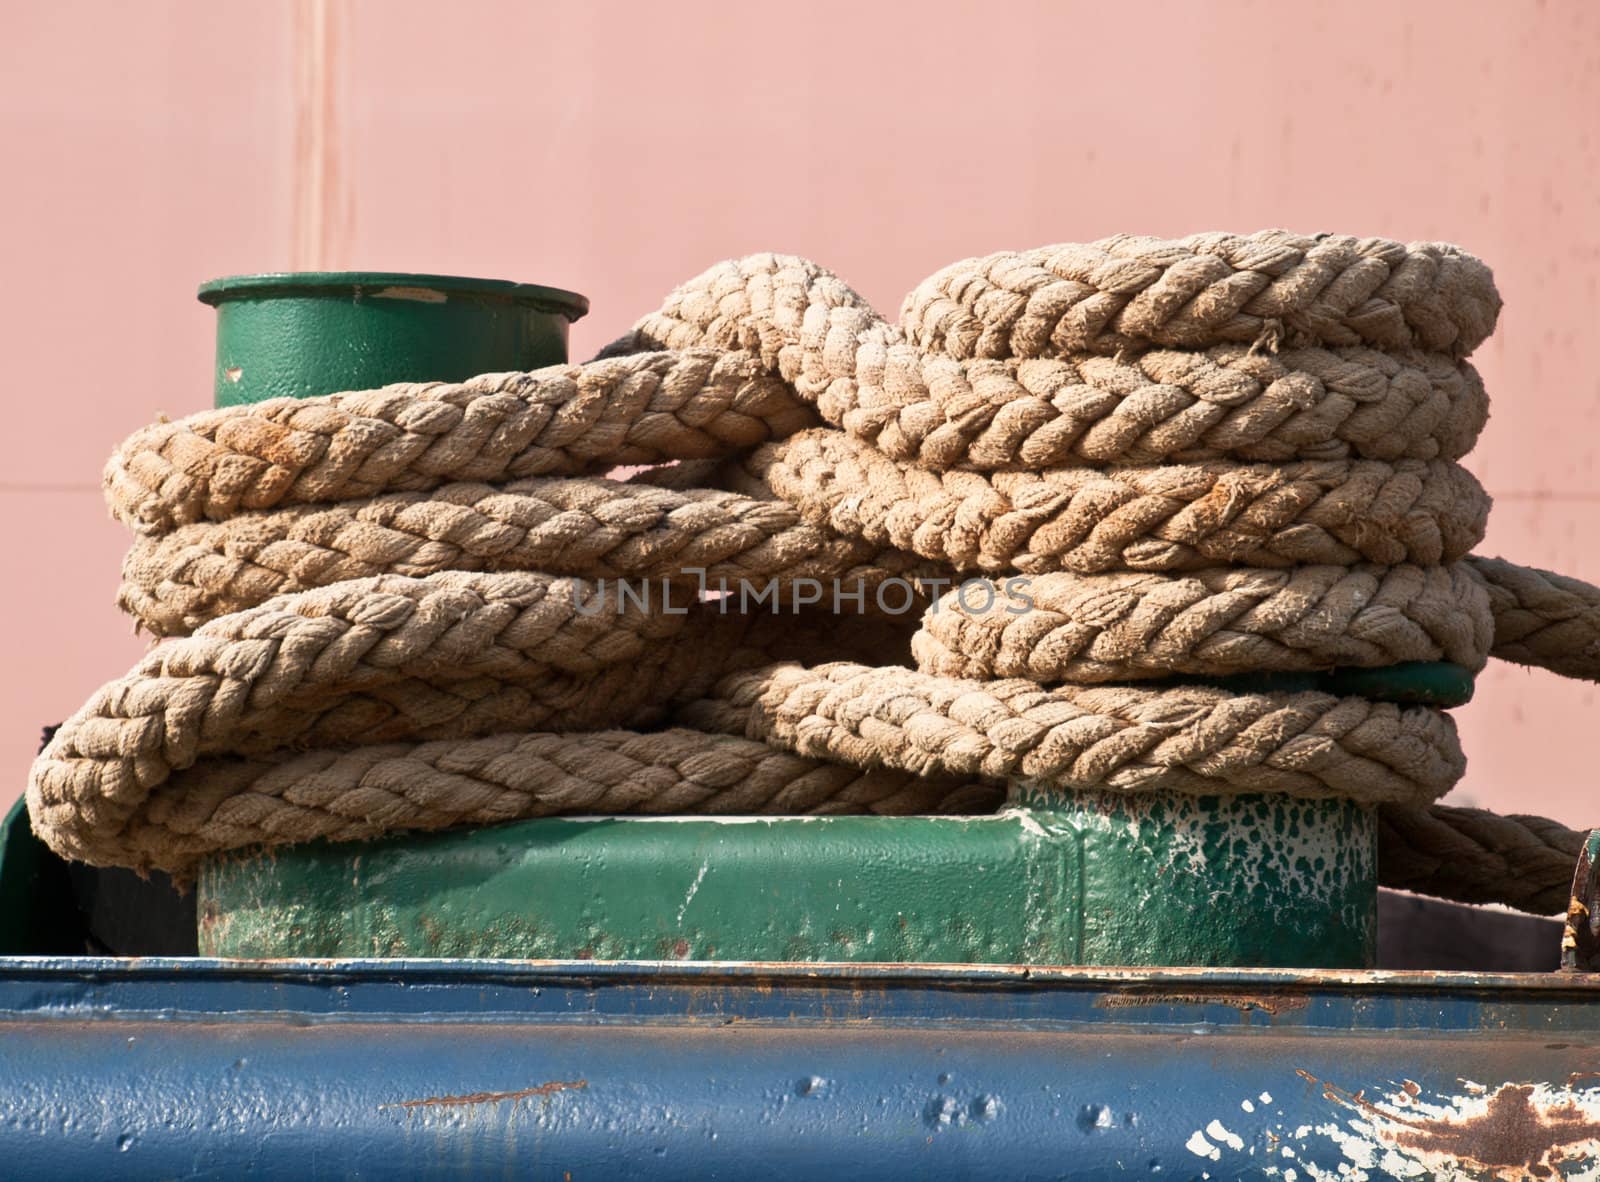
{"x":544,"y":1089}
{"x":322,"y":211}
{"x":1243,"y":1002}
{"x":1512,"y":1134}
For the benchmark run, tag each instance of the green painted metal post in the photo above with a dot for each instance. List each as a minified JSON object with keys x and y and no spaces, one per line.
{"x":1129,"y":881}
{"x":299,"y":335}
{"x":37,"y":914}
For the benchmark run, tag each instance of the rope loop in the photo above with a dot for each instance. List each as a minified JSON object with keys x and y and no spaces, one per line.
{"x":874,"y":567}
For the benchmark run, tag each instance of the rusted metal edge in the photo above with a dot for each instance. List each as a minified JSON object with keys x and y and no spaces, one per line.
{"x":736,"y":972}
{"x":1580,"y":942}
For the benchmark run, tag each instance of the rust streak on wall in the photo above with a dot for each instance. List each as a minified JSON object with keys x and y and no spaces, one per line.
{"x":321,"y":207}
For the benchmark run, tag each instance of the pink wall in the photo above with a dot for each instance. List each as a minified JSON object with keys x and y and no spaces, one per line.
{"x":617,"y":148}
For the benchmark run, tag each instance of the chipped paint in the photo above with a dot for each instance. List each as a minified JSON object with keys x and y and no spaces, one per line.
{"x":1580,"y":939}
{"x":1200,"y":1147}
{"x":1219,"y":1133}
{"x":1512,"y":1131}
{"x":1501,"y":1133}
{"x":1266,"y":1003}
{"x":1276,"y":852}
{"x":420,"y":295}
{"x":694,"y":888}
{"x":1108,"y":882}
{"x":1271,"y":844}
{"x":1027,"y":819}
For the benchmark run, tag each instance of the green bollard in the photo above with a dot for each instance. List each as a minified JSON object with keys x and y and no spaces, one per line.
{"x":299,"y":335}
{"x":1100,"y":879}
{"x":1060,"y":878}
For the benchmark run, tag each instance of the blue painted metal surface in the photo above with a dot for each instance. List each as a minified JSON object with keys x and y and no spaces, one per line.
{"x":573,"y":1070}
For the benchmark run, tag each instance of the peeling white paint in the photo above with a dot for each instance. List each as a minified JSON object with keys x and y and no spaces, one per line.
{"x":1217,"y":1132}
{"x":693,"y":888}
{"x":1200,"y":1147}
{"x":1025,"y":818}
{"x":1406,"y":1133}
{"x":1276,"y":848}
{"x":1393,"y":1133}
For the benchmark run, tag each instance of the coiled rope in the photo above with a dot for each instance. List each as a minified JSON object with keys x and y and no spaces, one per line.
{"x":1144,"y":459}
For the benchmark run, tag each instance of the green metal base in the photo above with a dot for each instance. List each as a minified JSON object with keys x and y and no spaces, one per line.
{"x":37,"y":916}
{"x":1439,"y":684}
{"x":1247,"y":881}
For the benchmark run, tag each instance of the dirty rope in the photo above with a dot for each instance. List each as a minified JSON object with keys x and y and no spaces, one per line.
{"x":1066,"y":478}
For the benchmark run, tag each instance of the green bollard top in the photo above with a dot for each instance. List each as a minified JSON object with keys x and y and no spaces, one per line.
{"x":301,"y":334}
{"x":392,"y":285}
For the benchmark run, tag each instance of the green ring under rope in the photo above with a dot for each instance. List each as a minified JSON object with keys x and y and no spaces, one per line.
{"x":1439,"y":684}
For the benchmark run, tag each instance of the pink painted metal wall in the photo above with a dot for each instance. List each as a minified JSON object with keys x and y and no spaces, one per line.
{"x":617,"y":148}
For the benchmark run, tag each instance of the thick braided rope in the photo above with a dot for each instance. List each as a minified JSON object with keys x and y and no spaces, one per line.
{"x":1168,"y":518}
{"x":1010,"y":386}
{"x":563,"y":420}
{"x":1192,"y":292}
{"x":461,"y":655}
{"x":363,"y":792}
{"x":1543,"y":619}
{"x":1049,"y":405}
{"x":794,"y":320}
{"x":369,"y":660}
{"x":1227,"y":402}
{"x":1198,"y":740}
{"x":1117,"y":627}
{"x":600,"y":529}
{"x":1475,"y":856}
{"x":1041,"y":411}
{"x":848,"y":513}
{"x":454,"y":656}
